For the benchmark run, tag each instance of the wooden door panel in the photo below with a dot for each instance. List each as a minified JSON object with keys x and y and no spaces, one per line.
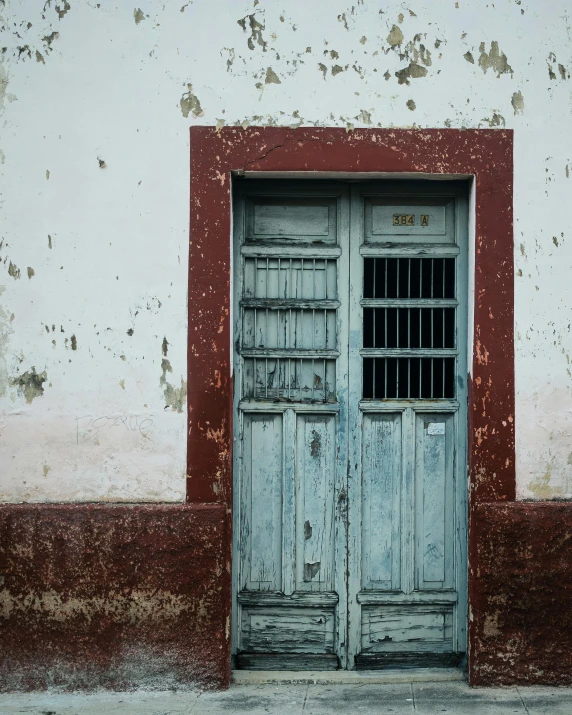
{"x":407,"y":628}
{"x":315,"y":475}
{"x":381,"y":501}
{"x":261,"y":526}
{"x":287,"y":630}
{"x":434,"y":491}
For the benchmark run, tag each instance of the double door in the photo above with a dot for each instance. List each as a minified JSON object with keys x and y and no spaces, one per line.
{"x":350,"y":424}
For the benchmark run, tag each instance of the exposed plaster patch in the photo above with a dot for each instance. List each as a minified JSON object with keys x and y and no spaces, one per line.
{"x":132,"y":608}
{"x":364,"y":117}
{"x":395,"y":37}
{"x":102,"y":163}
{"x":5,"y":330}
{"x":138,"y":15}
{"x":517,"y":102}
{"x":4,"y":95}
{"x":494,"y":59}
{"x":175,"y":397}
{"x":411,"y":105}
{"x":73,"y":342}
{"x":497,"y":120}
{"x":61,"y":9}
{"x":190,"y":104}
{"x":31,"y":272}
{"x":543,"y":489}
{"x":256,"y":29}
{"x":13,"y":271}
{"x":271,"y":77}
{"x":30,"y":384}
{"x":413,"y":71}
{"x":469,"y":57}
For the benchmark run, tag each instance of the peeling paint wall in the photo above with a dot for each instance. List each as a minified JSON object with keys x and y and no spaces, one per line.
{"x":96,"y":100}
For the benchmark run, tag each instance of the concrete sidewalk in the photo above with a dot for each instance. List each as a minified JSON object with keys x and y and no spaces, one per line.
{"x":398,"y":699}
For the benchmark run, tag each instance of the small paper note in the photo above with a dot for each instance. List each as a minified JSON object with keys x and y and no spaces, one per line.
{"x":436,"y":428}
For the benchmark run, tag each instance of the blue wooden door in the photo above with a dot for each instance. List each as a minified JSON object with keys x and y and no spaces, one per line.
{"x":349,"y":499}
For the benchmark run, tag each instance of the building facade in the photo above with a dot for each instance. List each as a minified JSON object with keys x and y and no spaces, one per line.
{"x":284,"y":359}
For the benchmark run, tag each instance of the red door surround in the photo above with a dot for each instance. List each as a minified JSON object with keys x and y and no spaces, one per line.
{"x":487,"y":155}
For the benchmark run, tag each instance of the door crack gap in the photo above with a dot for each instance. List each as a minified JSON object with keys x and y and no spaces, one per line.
{"x":305,"y":698}
{"x":526,"y":710}
{"x":413,"y":697}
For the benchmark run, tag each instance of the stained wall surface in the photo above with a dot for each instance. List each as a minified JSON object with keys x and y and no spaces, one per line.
{"x":96,"y":102}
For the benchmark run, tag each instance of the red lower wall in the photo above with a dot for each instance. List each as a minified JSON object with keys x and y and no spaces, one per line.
{"x":132,"y":596}
{"x":113,"y":596}
{"x":521,"y":594}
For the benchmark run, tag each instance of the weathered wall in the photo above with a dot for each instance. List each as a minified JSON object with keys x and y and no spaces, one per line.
{"x":96,"y":101}
{"x":521,"y":595}
{"x":113,"y":596}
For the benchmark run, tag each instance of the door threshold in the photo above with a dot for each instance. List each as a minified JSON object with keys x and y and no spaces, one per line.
{"x":347,"y":677}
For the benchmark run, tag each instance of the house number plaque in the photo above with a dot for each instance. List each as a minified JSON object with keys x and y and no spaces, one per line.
{"x":409,"y":220}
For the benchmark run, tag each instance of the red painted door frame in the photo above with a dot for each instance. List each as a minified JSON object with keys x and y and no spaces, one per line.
{"x":487,"y":155}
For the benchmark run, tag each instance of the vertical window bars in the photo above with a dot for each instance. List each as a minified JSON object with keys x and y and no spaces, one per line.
{"x":409,"y":328}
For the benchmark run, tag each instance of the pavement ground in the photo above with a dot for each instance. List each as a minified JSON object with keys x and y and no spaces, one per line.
{"x":454,"y":698}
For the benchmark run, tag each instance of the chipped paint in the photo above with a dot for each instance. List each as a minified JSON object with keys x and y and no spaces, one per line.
{"x":119,"y":244}
{"x":517,"y":102}
{"x":175,"y":397}
{"x":30,"y":384}
{"x":190,"y":104}
{"x":113,"y":596}
{"x":494,"y":59}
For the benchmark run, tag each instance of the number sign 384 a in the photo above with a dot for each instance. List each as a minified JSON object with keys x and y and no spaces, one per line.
{"x":409,"y":220}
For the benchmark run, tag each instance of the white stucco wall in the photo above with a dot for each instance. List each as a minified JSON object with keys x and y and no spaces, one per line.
{"x":94,"y":214}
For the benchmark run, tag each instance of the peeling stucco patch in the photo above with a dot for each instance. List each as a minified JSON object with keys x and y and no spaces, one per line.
{"x":5,"y":331}
{"x":13,"y":271}
{"x":517,"y":102}
{"x":256,"y":29}
{"x":175,"y":397}
{"x":30,"y":384}
{"x":271,"y":77}
{"x":494,"y":59}
{"x":61,"y":9}
{"x":190,"y":104}
{"x":395,"y":37}
{"x":31,"y":272}
{"x":469,"y":57}
{"x":138,"y":15}
{"x":411,"y":104}
{"x":4,"y":95}
{"x":364,"y":117}
{"x":497,"y":120}
{"x":413,"y":71}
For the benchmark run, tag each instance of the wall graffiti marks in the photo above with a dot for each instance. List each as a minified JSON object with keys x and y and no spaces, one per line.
{"x":89,"y":428}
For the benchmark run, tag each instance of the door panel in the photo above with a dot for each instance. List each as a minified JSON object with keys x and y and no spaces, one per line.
{"x":434,"y":455}
{"x":315,"y":471}
{"x":350,"y":409}
{"x":261,"y":530}
{"x":381,"y":502}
